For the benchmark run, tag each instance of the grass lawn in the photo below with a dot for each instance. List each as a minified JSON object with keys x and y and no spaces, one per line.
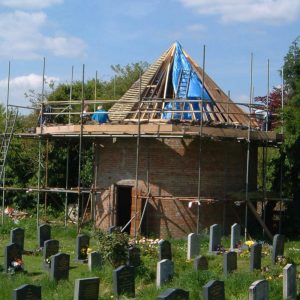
{"x":236,"y":284}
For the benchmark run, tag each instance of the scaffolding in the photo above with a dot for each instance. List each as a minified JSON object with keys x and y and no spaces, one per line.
{"x":145,"y":121}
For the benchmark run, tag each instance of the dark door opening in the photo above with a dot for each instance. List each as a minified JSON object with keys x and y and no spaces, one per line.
{"x":124,"y":202}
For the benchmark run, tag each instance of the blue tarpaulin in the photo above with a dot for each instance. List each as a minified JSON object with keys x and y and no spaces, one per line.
{"x":186,"y":85}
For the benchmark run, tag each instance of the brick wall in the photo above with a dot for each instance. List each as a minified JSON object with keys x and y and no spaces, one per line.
{"x":171,"y":167}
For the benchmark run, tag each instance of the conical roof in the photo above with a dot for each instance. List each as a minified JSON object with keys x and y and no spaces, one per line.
{"x":172,"y":88}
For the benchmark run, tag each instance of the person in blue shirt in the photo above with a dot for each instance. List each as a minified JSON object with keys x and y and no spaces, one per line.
{"x":100,"y":115}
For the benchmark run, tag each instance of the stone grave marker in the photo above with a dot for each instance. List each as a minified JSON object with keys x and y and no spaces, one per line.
{"x":51,"y":247}
{"x":44,"y":234}
{"x":81,"y":249}
{"x":164,"y":271}
{"x":12,"y":255}
{"x":214,"y":290}
{"x":60,"y":265}
{"x":174,"y":294}
{"x":123,"y":281}
{"x":229,"y":262}
{"x":278,"y":247}
{"x":193,"y":245}
{"x":290,"y":282}
{"x":94,"y":261}
{"x":111,"y":229}
{"x":17,"y":237}
{"x":87,"y":288}
{"x":164,"y":250}
{"x":215,"y":235}
{"x":27,"y":292}
{"x":259,"y":290}
{"x":134,"y":256}
{"x":255,"y":257}
{"x":200,"y":263}
{"x":235,"y":235}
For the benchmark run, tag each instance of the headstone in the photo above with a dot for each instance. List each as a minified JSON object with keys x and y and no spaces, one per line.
{"x":259,"y":290}
{"x":51,"y":247}
{"x":60,"y":265}
{"x":27,"y":292}
{"x":87,"y":288}
{"x":215,"y":235}
{"x":44,"y":234}
{"x":200,"y":263}
{"x":82,"y":245}
{"x":94,"y":261}
{"x":235,"y":235}
{"x":290,"y":282}
{"x":230,"y":262}
{"x":17,"y":237}
{"x":214,"y":290}
{"x":123,"y":281}
{"x":164,"y":271}
{"x":255,"y":257}
{"x":164,"y":250}
{"x":174,"y":294}
{"x":193,"y":245}
{"x":12,"y":255}
{"x":278,"y":247}
{"x":134,"y":256}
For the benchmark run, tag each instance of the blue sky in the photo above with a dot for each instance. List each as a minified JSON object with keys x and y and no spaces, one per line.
{"x":106,"y":32}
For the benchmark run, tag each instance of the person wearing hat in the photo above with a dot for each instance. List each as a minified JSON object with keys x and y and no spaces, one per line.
{"x":100,"y":115}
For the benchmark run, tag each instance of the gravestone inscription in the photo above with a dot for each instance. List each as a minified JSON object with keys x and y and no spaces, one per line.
{"x":87,"y":288}
{"x":44,"y":234}
{"x":214,"y":290}
{"x":27,"y":292}
{"x":17,"y":237}
{"x":60,"y":265}
{"x":123,"y":281}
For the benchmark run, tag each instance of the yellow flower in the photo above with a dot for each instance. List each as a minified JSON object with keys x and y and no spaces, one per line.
{"x":89,"y":250}
{"x":249,"y":243}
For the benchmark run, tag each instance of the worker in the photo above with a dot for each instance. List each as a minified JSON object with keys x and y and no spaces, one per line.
{"x":85,"y":114}
{"x":100,"y":115}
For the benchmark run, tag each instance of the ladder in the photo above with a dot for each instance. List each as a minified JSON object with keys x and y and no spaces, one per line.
{"x":6,"y":138}
{"x":182,"y":90}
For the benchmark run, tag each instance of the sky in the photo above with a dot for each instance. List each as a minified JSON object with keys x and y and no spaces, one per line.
{"x":101,"y":33}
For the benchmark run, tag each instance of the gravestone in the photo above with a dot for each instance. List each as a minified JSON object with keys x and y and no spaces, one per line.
{"x":164,"y":250}
{"x":12,"y":253}
{"x":255,"y":257}
{"x":44,"y":234}
{"x":17,"y":237}
{"x":278,"y":247}
{"x":51,"y":247}
{"x":81,"y":249}
{"x":27,"y":292}
{"x":214,"y":290}
{"x":193,"y":245}
{"x":215,"y":235}
{"x":60,"y":265}
{"x":290,"y":282}
{"x":235,"y":235}
{"x":230,"y":262}
{"x":134,"y":257}
{"x":164,"y":271}
{"x":94,"y":261}
{"x":87,"y":288}
{"x":259,"y":290}
{"x":123,"y":281}
{"x":174,"y":294}
{"x":111,"y":229}
{"x":200,"y":263}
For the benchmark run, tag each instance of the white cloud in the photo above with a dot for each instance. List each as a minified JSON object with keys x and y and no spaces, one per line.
{"x":29,"y":4}
{"x":20,"y":85}
{"x":196,"y":28}
{"x":268,"y":11}
{"x":21,"y":37}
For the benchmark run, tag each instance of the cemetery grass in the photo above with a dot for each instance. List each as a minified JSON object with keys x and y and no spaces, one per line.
{"x":236,"y":284}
